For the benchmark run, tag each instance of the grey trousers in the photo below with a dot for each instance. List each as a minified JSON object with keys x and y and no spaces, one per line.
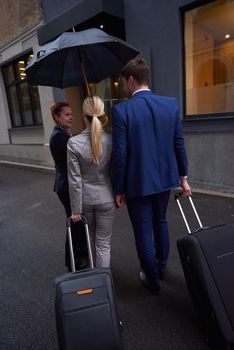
{"x":100,"y":221}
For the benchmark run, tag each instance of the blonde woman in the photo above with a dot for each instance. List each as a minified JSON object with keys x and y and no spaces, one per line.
{"x":90,"y":187}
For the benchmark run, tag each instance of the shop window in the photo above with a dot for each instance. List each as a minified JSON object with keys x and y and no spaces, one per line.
{"x":209,"y":59}
{"x":23,"y":100}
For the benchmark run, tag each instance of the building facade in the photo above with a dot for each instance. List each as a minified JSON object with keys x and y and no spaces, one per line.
{"x":189,"y":46}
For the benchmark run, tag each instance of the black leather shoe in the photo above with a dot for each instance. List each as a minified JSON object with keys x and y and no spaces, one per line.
{"x":162,"y":274}
{"x":153,"y":288}
{"x":83,"y":263}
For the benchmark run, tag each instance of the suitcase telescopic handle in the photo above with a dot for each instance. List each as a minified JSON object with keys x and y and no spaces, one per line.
{"x":177,"y":198}
{"x":84,"y":221}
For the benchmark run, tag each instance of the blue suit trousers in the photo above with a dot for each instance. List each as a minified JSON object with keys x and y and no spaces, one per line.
{"x":148,"y":217}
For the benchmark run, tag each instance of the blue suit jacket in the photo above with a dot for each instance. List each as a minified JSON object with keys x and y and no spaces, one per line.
{"x":58,"y":147}
{"x":148,"y":145}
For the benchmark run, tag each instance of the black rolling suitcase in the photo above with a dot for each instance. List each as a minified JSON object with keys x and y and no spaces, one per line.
{"x":85,"y":307}
{"x":207,"y":258}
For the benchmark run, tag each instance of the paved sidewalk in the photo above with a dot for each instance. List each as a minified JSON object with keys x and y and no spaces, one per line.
{"x":32,"y":229}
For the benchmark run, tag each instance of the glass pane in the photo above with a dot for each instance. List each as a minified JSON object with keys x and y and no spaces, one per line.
{"x":15,"y":111}
{"x":101,"y":89}
{"x":9,"y":74}
{"x":37,"y":105}
{"x":20,"y":68}
{"x":21,"y":65}
{"x":25,"y":103}
{"x":29,"y":57}
{"x":110,"y":90}
{"x":209,"y":58}
{"x":117,"y":91}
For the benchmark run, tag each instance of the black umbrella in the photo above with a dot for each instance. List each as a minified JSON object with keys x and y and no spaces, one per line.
{"x":79,"y":57}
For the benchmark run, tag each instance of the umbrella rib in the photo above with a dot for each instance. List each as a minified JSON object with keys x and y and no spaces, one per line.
{"x":62,"y":75}
{"x":82,"y":64}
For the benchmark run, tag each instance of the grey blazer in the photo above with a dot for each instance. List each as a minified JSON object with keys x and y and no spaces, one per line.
{"x":89,"y":183}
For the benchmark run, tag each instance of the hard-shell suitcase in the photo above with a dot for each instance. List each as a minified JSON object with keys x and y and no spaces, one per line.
{"x":85,"y":307}
{"x":207,"y":258}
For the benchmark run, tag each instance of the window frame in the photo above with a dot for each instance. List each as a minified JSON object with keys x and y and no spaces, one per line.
{"x":16,"y":83}
{"x":207,"y":116}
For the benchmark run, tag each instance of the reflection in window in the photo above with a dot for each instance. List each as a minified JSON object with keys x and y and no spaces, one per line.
{"x":111,"y":91}
{"x":25,"y":104}
{"x":37,"y":106}
{"x":21,"y":70}
{"x":209,"y":58}
{"x":15,"y":110}
{"x":23,"y":100}
{"x":9,"y":72}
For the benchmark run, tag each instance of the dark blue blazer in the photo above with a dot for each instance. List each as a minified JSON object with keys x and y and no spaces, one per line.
{"x":148,"y":145}
{"x":58,"y":148}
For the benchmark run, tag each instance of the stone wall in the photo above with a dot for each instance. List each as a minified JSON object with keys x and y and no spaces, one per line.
{"x":18,"y":16}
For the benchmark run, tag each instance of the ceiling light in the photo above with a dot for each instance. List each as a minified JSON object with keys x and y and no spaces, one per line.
{"x":227,"y":36}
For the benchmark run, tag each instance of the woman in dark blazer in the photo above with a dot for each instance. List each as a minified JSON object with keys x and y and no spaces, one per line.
{"x":62,"y":116}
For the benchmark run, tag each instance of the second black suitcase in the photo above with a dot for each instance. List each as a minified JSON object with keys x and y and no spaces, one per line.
{"x":85,"y":307}
{"x":207,"y":257}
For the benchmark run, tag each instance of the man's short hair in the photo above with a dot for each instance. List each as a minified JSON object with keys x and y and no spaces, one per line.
{"x":138,"y":69}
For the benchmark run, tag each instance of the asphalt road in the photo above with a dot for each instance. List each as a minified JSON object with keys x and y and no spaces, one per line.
{"x":32,"y":230}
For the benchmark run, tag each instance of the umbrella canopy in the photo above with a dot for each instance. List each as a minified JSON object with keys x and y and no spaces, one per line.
{"x":77,"y":57}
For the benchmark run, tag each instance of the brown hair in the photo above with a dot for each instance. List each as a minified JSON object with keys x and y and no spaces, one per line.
{"x":138,"y":69}
{"x":56,"y":109}
{"x":93,"y":109}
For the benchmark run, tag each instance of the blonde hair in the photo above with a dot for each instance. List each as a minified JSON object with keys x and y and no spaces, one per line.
{"x":93,"y":108}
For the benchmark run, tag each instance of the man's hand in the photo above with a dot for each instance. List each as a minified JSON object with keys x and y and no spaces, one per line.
{"x":186,"y":188}
{"x":120,"y":200}
{"x":75,"y":217}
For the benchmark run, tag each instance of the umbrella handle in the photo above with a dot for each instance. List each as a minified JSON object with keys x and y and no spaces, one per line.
{"x":84,"y":73}
{"x":85,"y":78}
{"x":83,"y":68}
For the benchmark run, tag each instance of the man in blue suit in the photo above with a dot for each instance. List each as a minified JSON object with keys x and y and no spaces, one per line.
{"x":149,"y":159}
